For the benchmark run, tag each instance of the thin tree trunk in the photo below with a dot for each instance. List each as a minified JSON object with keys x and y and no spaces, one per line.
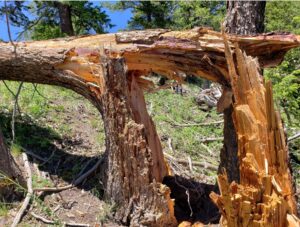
{"x":64,"y":12}
{"x":242,"y":18}
{"x":9,"y":172}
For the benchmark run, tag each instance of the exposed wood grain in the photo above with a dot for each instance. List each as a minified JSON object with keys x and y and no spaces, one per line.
{"x":264,"y":196}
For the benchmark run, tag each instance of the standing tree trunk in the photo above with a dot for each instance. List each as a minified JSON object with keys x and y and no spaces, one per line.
{"x":136,"y":165}
{"x":8,"y":171}
{"x":64,"y":12}
{"x":242,"y":18}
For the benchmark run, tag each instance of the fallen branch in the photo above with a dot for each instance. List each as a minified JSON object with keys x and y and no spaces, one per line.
{"x":47,"y":221}
{"x":19,"y":215}
{"x":197,"y":124}
{"x":297,"y":135}
{"x":185,"y":162}
{"x":208,"y":149}
{"x":33,"y":155}
{"x":76,"y":182}
{"x":206,"y":140}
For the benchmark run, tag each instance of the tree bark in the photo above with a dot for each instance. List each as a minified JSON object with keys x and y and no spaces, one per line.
{"x":136,"y":164}
{"x":64,"y":11}
{"x":242,"y":18}
{"x":8,"y":170}
{"x":245,"y":17}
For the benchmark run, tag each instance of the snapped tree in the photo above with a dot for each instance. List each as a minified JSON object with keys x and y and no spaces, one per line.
{"x":108,"y":70}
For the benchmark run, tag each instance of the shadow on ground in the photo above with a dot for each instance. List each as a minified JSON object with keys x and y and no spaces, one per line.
{"x":200,"y":208}
{"x":57,"y":164}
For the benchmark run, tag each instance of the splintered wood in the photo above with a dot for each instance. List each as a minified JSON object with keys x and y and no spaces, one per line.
{"x":264,"y":196}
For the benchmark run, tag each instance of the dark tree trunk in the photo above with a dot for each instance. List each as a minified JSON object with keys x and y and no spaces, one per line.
{"x":242,"y":18}
{"x":245,"y":17}
{"x":8,"y":170}
{"x":64,"y":11}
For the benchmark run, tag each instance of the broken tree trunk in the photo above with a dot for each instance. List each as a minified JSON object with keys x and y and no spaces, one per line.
{"x":107,"y":70}
{"x":265,"y":195}
{"x":136,"y":164}
{"x":242,"y":18}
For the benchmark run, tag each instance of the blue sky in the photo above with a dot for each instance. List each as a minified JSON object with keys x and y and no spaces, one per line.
{"x":118,"y":18}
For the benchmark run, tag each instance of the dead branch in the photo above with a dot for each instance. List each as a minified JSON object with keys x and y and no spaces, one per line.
{"x":170,"y":145}
{"x":32,"y":154}
{"x":297,"y":135}
{"x":211,"y":139}
{"x":40,"y":218}
{"x":185,"y":162}
{"x":47,"y":221}
{"x":197,"y":124}
{"x":19,"y":215}
{"x":208,"y":149}
{"x":76,"y":182}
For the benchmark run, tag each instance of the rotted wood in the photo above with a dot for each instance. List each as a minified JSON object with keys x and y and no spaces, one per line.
{"x":265,"y":195}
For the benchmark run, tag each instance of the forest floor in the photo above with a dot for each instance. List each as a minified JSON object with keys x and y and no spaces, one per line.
{"x":63,"y":135}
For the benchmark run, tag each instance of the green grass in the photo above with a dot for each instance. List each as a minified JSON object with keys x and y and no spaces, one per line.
{"x":38,"y":182}
{"x":16,"y":150}
{"x":170,"y":107}
{"x":4,"y":209}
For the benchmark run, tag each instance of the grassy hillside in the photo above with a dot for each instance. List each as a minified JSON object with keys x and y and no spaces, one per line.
{"x":67,"y":132}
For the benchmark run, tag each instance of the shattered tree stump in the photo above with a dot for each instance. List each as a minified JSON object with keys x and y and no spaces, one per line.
{"x":265,"y":195}
{"x":136,"y":164}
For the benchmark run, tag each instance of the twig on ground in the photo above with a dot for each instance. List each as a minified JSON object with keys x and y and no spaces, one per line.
{"x":76,"y":182}
{"x":212,"y":139}
{"x":19,"y":215}
{"x":47,"y":221}
{"x":32,"y":154}
{"x":48,"y":159}
{"x":297,"y":135}
{"x":190,"y":164}
{"x":185,"y":162}
{"x":40,"y":218}
{"x":176,"y":124}
{"x":170,"y":145}
{"x":208,"y":149}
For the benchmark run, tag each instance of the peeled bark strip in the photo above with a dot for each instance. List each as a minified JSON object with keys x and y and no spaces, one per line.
{"x":265,"y":195}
